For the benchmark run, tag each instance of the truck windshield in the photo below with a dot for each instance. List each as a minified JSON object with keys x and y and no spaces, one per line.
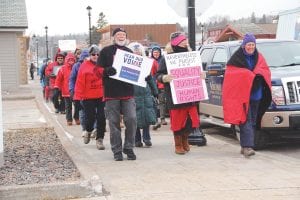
{"x":281,"y":54}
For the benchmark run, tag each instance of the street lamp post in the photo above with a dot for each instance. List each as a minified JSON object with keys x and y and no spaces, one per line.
{"x":47,"y":52}
{"x":196,"y":137}
{"x":37,"y":53}
{"x":89,"y":8}
{"x":202,"y":29}
{"x":191,"y":23}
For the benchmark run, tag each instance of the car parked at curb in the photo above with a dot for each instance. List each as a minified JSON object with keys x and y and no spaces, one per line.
{"x":282,"y":118}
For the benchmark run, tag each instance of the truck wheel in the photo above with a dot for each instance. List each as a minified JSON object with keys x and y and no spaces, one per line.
{"x":261,"y":138}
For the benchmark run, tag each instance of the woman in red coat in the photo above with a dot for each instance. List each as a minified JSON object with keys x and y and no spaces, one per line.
{"x":89,"y":89}
{"x":246,"y":91}
{"x":62,"y":83}
{"x":51,"y":74}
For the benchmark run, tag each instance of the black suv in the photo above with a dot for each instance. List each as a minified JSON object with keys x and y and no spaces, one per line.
{"x":282,"y":118}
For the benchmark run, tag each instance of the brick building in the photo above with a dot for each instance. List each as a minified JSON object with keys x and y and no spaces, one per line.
{"x":146,"y":34}
{"x":236,"y":32}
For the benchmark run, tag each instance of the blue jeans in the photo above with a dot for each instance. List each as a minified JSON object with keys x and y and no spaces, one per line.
{"x":247,"y":130}
{"x":146,"y":135}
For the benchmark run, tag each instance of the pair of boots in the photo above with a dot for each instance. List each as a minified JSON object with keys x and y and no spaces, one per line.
{"x":182,"y":145}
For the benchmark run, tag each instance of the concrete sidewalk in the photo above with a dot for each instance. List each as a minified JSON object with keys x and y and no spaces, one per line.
{"x":216,"y":171}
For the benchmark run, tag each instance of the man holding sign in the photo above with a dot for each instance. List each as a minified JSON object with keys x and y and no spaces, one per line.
{"x":180,"y":72}
{"x":119,"y":99}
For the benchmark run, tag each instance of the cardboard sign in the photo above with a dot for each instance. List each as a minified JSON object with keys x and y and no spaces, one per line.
{"x":56,"y":69}
{"x":131,"y":68}
{"x":187,"y":85}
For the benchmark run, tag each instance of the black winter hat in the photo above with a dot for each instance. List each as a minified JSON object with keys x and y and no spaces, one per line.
{"x":118,"y":30}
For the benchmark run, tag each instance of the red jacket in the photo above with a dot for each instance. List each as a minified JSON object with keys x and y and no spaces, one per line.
{"x":236,"y":90}
{"x":153,"y":72}
{"x":89,"y":81}
{"x":51,"y":72}
{"x":62,"y":78}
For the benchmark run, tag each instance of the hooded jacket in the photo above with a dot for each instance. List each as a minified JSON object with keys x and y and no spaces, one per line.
{"x":49,"y":71}
{"x":155,"y":67}
{"x":62,"y":79}
{"x":84,"y":54}
{"x":237,"y":86}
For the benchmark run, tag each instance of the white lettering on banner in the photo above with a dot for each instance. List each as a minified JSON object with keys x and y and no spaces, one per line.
{"x":131,"y":68}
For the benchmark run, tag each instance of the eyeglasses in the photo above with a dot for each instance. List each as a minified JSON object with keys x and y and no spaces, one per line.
{"x":95,"y":54}
{"x":60,"y":58}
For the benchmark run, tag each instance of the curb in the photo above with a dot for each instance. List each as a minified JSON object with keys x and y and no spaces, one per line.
{"x":87,"y":172}
{"x":51,"y":191}
{"x":88,"y":186}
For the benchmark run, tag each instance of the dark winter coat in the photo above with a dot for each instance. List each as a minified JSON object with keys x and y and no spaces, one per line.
{"x":145,"y":108}
{"x":162,"y":70}
{"x":113,"y":88}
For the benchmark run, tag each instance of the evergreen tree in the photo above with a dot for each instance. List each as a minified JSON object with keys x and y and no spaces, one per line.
{"x":263,"y":20}
{"x":101,"y":22}
{"x":253,"y":19}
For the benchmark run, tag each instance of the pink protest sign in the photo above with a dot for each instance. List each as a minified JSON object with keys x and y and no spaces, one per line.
{"x":187,"y":85}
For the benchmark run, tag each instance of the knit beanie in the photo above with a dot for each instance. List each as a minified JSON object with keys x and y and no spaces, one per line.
{"x":248,"y":37}
{"x":177,"y":38}
{"x":156,"y":48}
{"x":137,"y":47}
{"x":118,"y":30}
{"x":94,"y":49}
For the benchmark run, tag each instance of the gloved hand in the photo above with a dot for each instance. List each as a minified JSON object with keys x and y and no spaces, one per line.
{"x":148,"y":78}
{"x":110,"y":71}
{"x":167,"y":78}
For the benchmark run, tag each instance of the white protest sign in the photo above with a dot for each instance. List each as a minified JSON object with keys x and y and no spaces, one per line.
{"x":131,"y":68}
{"x":187,"y":85}
{"x":67,"y":45}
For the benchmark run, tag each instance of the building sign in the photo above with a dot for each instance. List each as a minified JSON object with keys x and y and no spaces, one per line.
{"x":187,"y":85}
{"x":131,"y":68}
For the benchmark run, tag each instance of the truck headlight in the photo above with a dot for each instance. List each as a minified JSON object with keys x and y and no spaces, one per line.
{"x":278,"y":95}
{"x":277,"y":119}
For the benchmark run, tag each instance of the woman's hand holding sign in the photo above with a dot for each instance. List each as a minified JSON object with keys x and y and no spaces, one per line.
{"x":167,"y":78}
{"x":203,"y":75}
